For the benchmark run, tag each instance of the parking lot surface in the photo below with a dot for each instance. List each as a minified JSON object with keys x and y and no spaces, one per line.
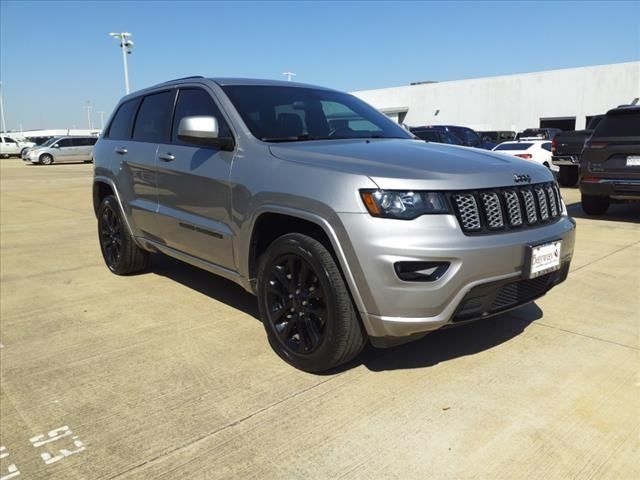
{"x":168,"y":374}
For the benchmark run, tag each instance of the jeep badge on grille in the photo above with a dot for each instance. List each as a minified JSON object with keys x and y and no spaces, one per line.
{"x":521,"y":178}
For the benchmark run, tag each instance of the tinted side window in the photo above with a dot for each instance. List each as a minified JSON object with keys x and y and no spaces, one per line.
{"x":120,"y":128}
{"x":153,"y":122}
{"x":66,"y":142}
{"x":547,"y":146}
{"x":194,"y":101}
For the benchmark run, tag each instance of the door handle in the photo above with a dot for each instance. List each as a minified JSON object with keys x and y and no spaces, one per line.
{"x":166,"y":157}
{"x":121,"y":151}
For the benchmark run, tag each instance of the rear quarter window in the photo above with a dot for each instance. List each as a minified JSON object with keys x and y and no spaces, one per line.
{"x":120,"y":128}
{"x":513,"y":146}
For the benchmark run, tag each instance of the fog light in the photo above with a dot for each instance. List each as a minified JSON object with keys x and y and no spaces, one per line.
{"x":420,"y":271}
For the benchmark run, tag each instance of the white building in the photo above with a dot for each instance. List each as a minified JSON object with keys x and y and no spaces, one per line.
{"x":564,"y":98}
{"x":59,"y":132}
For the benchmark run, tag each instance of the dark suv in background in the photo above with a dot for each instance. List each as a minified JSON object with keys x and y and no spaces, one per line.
{"x":435,"y":136}
{"x":610,"y":168}
{"x":467,"y":136}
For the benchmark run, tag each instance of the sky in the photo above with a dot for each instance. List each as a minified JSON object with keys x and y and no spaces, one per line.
{"x":57,"y":56}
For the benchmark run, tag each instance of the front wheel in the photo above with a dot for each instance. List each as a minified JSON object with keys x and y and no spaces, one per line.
{"x":305,"y":305}
{"x":595,"y":204}
{"x":120,"y":252}
{"x":46,"y":159}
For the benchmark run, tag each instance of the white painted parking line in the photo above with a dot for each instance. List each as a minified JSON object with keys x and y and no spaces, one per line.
{"x":12,"y":469}
{"x":53,"y":436}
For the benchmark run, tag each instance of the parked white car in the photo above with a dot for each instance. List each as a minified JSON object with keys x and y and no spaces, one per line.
{"x":534,"y":150}
{"x":9,"y":147}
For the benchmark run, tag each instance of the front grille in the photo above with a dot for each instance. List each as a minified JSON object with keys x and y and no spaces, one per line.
{"x":520,"y":292}
{"x":487,"y":211}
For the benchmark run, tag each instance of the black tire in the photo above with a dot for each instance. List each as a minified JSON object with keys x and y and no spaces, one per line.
{"x":46,"y":159}
{"x":568,"y":176}
{"x":595,"y":204}
{"x":119,"y":251}
{"x":301,"y":293}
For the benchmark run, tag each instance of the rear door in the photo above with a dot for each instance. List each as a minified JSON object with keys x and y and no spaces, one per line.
{"x":85,"y":147}
{"x":194,"y":193}
{"x":152,"y":126}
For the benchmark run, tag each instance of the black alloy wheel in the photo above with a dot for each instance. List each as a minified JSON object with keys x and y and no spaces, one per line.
{"x":305,"y":305}
{"x":111,"y":237}
{"x":120,"y":252}
{"x":295,"y":303}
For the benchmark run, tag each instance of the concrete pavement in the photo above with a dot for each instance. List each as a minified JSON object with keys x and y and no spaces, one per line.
{"x":168,"y":374}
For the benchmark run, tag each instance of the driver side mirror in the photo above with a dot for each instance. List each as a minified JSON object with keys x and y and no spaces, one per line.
{"x":55,"y":146}
{"x":203,"y":130}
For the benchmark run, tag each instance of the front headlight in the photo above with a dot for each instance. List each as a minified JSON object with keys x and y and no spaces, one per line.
{"x":405,"y":205}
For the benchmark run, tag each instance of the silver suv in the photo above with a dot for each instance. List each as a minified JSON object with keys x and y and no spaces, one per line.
{"x":345,"y":226}
{"x":62,"y":149}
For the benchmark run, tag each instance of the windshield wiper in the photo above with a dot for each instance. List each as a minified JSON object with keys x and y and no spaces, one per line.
{"x":299,"y":138}
{"x":293,"y":138}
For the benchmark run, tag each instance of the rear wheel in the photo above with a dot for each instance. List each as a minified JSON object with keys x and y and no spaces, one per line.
{"x":568,"y":176}
{"x":119,"y":251}
{"x":46,"y":159}
{"x":595,"y":204}
{"x":305,"y":305}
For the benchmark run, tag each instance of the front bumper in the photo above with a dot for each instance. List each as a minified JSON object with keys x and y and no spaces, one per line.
{"x":396,"y":308}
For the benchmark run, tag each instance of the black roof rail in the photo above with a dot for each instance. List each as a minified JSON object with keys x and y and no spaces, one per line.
{"x":183,"y":78}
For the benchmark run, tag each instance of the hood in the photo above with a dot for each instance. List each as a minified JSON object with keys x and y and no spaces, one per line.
{"x":414,"y":164}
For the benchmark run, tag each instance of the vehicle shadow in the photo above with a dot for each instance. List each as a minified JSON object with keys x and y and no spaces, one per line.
{"x":447,"y":344}
{"x":208,"y":284}
{"x":437,"y":347}
{"x":618,"y":212}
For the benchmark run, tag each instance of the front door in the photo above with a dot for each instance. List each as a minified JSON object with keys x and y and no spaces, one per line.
{"x":64,"y":151}
{"x":194,"y":195}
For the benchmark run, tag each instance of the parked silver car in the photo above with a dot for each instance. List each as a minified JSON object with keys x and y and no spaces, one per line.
{"x":62,"y":149}
{"x":343,"y":224}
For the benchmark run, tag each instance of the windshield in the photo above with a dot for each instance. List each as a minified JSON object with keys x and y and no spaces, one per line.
{"x":49,"y":142}
{"x":624,"y":124}
{"x":287,"y":114}
{"x":468,"y":136}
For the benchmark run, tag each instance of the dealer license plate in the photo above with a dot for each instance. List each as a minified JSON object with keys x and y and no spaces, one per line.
{"x":544,"y":259}
{"x":633,"y":161}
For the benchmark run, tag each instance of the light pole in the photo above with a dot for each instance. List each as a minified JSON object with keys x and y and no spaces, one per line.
{"x":126,"y":45}
{"x":4,"y":127}
{"x":101,"y":120}
{"x":89,"y":114}
{"x":289,"y":75}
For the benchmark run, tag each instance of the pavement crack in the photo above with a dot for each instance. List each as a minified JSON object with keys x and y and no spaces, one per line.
{"x":586,"y":336}
{"x":221,"y":429}
{"x":606,"y":256}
